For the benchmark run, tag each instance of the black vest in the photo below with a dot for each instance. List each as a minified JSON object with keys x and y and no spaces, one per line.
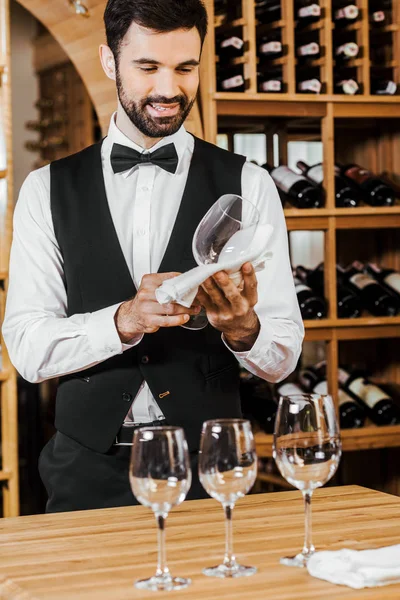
{"x":195,"y":367}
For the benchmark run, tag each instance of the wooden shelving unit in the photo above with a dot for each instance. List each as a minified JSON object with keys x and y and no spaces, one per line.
{"x":374,"y":125}
{"x":8,"y":385}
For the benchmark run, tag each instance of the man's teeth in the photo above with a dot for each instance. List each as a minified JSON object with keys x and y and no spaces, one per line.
{"x":157,"y":107}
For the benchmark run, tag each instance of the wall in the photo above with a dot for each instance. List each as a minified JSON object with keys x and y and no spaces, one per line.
{"x":24,"y":90}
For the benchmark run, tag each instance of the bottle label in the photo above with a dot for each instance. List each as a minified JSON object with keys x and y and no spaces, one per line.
{"x":233,"y":82}
{"x":285,"y":178}
{"x":368,"y":392}
{"x":378,"y":16}
{"x":316,"y":173}
{"x":349,"y":49}
{"x":358,"y":174}
{"x":362,"y":280}
{"x":300,"y":287}
{"x":344,"y":398}
{"x":388,"y":90}
{"x":321,"y":388}
{"x":271,"y":48}
{"x":312,"y":85}
{"x":273,"y":85}
{"x":314,"y":10}
{"x":393,"y":281}
{"x":349,"y":86}
{"x":288,"y":389}
{"x":347,"y":12}
{"x":233,"y":41}
{"x":308,"y":49}
{"x":342,"y":376}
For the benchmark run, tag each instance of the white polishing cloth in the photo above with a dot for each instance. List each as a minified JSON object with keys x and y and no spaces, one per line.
{"x":357,"y":568}
{"x":237,"y":251}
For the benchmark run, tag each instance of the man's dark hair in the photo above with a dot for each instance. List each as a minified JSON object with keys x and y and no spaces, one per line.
{"x":159,"y":15}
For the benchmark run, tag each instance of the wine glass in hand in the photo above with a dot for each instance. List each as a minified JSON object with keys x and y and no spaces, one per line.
{"x":227,"y":471}
{"x":160,"y":478}
{"x":307,"y":450}
{"x":224,"y":233}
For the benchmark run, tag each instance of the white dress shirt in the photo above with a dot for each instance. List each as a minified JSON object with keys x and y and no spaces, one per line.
{"x":144,"y":201}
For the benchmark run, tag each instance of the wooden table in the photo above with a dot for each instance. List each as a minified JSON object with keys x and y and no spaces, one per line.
{"x":96,"y":555}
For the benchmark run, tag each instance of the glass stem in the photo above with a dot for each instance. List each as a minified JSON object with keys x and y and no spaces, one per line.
{"x":229,"y":558}
{"x":162,"y":569}
{"x":308,"y":548}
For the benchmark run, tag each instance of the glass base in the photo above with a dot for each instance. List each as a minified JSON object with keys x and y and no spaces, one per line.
{"x":235,"y":570}
{"x":300,"y":560}
{"x":197,"y":322}
{"x":163,"y":584}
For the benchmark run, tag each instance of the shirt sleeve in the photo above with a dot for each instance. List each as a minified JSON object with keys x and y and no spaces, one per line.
{"x":41,"y":340}
{"x":276,"y":351}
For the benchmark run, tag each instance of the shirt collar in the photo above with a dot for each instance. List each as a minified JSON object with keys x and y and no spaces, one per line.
{"x":180,"y":139}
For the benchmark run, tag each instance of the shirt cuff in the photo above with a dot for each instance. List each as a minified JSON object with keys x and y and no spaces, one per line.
{"x":102,"y":333}
{"x":132,"y":342}
{"x":260,"y":346}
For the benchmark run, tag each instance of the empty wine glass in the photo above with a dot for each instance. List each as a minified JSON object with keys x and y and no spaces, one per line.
{"x":307,"y":450}
{"x":224,"y":233}
{"x":160,"y":478}
{"x":227,"y":471}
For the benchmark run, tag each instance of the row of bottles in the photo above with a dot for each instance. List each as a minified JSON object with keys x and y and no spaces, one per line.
{"x":359,"y":287}
{"x":358,"y":398}
{"x":354,"y":185}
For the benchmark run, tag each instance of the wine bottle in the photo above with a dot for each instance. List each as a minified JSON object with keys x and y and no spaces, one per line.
{"x":345,"y":15}
{"x":309,"y":86}
{"x":257,"y":401}
{"x":313,"y":379}
{"x":378,"y":17}
{"x":376,"y":299}
{"x":288,"y":389}
{"x":270,"y":83}
{"x":311,"y":305}
{"x":270,"y":47}
{"x":383,"y":87}
{"x":379,"y":405}
{"x":230,"y":47}
{"x":347,"y":86}
{"x":386,"y":277}
{"x":309,"y":12}
{"x":268,"y":11}
{"x":347,"y":51}
{"x":347,"y":195}
{"x":376,"y":191}
{"x":231,"y":80}
{"x":391,"y":182}
{"x":310,"y":50}
{"x":299,"y":190}
{"x":348,"y":303}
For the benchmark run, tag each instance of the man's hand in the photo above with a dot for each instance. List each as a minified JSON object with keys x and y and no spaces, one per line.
{"x":143,"y":314}
{"x":230,"y":309}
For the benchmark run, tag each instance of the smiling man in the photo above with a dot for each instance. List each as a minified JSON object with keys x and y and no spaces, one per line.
{"x":97,"y":232}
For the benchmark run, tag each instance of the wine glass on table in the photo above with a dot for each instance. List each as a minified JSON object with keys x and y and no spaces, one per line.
{"x":160,"y":478}
{"x":225,"y":232}
{"x":227,"y":471}
{"x":307,"y":450}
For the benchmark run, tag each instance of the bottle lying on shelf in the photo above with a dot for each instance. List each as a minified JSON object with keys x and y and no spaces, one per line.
{"x":383,"y":87}
{"x":380,"y":407}
{"x":309,"y":86}
{"x":297,"y":188}
{"x":389,"y":278}
{"x":229,"y":47}
{"x":346,"y":51}
{"x":346,"y":14}
{"x":307,"y":12}
{"x":349,"y":305}
{"x":311,"y":305}
{"x":309,"y":50}
{"x":376,"y":191}
{"x":313,"y":380}
{"x":374,"y":297}
{"x":378,"y":17}
{"x":268,"y":11}
{"x":257,"y":401}
{"x":346,"y":86}
{"x":346,"y":194}
{"x":269,"y":82}
{"x":270,"y":47}
{"x":231,"y":80}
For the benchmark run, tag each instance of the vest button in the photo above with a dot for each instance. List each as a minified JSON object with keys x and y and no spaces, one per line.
{"x":145,"y":359}
{"x":126,"y":397}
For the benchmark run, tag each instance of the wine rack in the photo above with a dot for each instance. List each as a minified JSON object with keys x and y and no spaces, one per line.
{"x":361,"y":127}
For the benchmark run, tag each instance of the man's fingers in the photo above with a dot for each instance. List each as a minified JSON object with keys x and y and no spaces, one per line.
{"x":204,"y":299}
{"x":250,"y":284}
{"x":229,"y":290}
{"x":216,"y":295}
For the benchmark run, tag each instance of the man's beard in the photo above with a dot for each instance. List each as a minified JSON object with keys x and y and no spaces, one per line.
{"x":142,"y":120}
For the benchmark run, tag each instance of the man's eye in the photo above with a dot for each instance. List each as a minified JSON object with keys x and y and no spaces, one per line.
{"x":185,"y":70}
{"x":148,"y":69}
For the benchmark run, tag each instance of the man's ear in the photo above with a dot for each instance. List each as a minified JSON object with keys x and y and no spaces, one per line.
{"x":107,"y":61}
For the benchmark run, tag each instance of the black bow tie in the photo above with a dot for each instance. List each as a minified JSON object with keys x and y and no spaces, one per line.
{"x":124,"y":158}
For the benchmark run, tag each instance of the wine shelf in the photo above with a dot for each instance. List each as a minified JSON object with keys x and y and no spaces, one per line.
{"x":366,"y":438}
{"x":363,"y":328}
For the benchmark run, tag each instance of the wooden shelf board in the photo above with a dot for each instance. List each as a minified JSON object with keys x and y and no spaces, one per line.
{"x":364,"y":328}
{"x":230,"y":25}
{"x":309,"y":98}
{"x":366,"y":438}
{"x":5,"y":475}
{"x":365,"y":217}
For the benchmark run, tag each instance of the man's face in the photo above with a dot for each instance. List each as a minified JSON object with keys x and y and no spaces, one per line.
{"x":157,"y":77}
